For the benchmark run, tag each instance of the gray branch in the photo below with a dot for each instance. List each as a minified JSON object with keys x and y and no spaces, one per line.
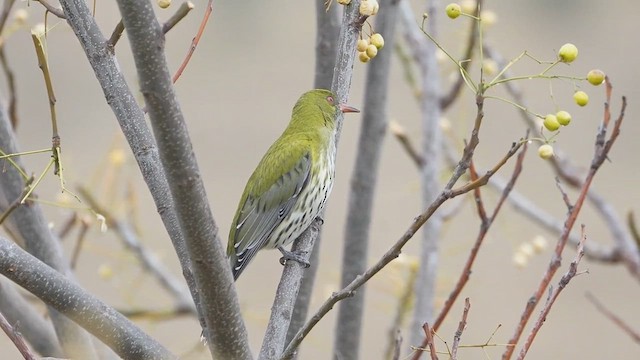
{"x":108,"y":325}
{"x":363,"y":184}
{"x":327,"y":32}
{"x":424,"y":55}
{"x":133,"y":125}
{"x":225,"y":330}
{"x":28,"y":225}
{"x":274,"y":341}
{"x":38,"y":331}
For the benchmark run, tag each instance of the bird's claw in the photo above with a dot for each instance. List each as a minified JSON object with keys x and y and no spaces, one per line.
{"x":295,"y":256}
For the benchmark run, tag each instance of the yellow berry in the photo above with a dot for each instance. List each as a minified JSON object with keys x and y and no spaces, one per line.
{"x":21,"y":16}
{"x":545,"y":151}
{"x":164,"y":3}
{"x":376,"y":7}
{"x":539,"y":243}
{"x":377,"y":40}
{"x":468,"y":6}
{"x":568,"y":52}
{"x":368,"y":7}
{"x":595,"y":77}
{"x":520,"y":260}
{"x":581,"y":98}
{"x":551,"y":122}
{"x":453,"y":10}
{"x":344,"y":2}
{"x":564,"y":118}
{"x":362,"y":45}
{"x":488,"y":18}
{"x":363,"y":57}
{"x":372,"y":51}
{"x":526,"y":249}
{"x":490,"y":67}
{"x":105,"y":271}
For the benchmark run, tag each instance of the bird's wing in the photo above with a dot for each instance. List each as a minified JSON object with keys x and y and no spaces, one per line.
{"x":261,"y":213}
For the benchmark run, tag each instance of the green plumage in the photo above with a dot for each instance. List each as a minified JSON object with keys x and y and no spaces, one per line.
{"x":290,"y":185}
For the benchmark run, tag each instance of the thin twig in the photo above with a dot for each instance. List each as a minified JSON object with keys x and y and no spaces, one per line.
{"x":452,"y":95}
{"x":84,"y":228}
{"x":397,"y":345}
{"x":626,"y":250}
{"x":428,"y":334}
{"x":564,"y":281}
{"x":396,"y":249}
{"x":148,"y":260}
{"x":600,"y":154}
{"x":16,"y":338}
{"x":52,"y":9}
{"x":461,"y":326}
{"x":618,"y":321}
{"x":182,"y":11}
{"x":194,"y":42}
{"x":484,"y":229}
{"x":17,"y":202}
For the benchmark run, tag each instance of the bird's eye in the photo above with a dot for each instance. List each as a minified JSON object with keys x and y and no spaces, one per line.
{"x":330,"y":99}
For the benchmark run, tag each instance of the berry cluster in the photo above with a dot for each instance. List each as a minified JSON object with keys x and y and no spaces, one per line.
{"x":368,"y":48}
{"x":552,"y":122}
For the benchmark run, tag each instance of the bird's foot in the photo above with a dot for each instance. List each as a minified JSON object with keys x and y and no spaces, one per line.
{"x":292,"y":255}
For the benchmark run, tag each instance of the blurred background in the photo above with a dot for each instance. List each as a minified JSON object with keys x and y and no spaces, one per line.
{"x":253,"y":62}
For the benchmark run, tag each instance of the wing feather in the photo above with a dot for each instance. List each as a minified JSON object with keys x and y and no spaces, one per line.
{"x":261,"y":213}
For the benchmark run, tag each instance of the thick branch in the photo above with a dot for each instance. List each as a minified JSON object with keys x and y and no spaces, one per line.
{"x":218,"y":300}
{"x":363,"y":184}
{"x":121,"y":335}
{"x":132,"y":122}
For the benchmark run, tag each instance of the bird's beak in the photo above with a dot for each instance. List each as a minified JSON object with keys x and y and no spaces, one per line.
{"x":347,"y":109}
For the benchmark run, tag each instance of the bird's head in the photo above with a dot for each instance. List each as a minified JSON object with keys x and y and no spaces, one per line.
{"x":319,"y":107}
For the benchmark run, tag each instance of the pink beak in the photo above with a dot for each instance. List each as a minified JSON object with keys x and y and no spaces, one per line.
{"x":348,"y":109}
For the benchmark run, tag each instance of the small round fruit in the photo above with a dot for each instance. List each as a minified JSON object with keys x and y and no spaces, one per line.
{"x":377,"y":40}
{"x":595,"y":77}
{"x":372,"y":51}
{"x":568,"y":52}
{"x":489,"y":18}
{"x":368,"y":7}
{"x":551,"y":122}
{"x":362,"y":45}
{"x":163,"y":4}
{"x":581,"y":98}
{"x":545,"y":151}
{"x":363,"y":57}
{"x":564,"y":118}
{"x":453,"y":10}
{"x":21,"y":16}
{"x":344,"y":2}
{"x":539,"y":243}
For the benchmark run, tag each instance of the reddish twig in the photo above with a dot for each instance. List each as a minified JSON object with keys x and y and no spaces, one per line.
{"x":194,"y":42}
{"x":461,"y":326}
{"x":600,"y":155}
{"x":182,"y":11}
{"x":564,"y":281}
{"x":428,"y":334}
{"x":484,"y":229}
{"x":16,"y":338}
{"x":614,"y":318}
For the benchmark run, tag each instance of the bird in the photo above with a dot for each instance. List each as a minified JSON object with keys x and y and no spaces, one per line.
{"x":290,"y":186}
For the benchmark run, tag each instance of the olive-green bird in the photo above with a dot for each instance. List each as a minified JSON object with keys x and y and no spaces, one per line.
{"x":291,"y":184}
